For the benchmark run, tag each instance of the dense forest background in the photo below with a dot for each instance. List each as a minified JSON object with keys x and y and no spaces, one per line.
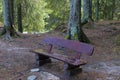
{"x":96,"y":22}
{"x":44,"y":15}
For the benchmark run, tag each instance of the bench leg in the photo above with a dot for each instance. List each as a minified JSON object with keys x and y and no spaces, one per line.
{"x":70,"y":70}
{"x":41,"y":59}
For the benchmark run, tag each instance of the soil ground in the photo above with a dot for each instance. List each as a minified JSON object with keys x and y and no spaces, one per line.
{"x":16,"y":60}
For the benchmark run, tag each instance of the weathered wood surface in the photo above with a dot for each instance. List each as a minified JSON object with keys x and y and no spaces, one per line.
{"x":64,"y":58}
{"x":70,"y":44}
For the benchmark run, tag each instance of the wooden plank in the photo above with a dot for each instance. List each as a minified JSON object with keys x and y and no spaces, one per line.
{"x":70,"y":44}
{"x":60,"y":57}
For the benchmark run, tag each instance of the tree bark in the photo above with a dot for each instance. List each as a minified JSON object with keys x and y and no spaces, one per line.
{"x":90,"y":9}
{"x":75,"y":30}
{"x":113,"y":9}
{"x":97,"y":10}
{"x":19,"y":12}
{"x":8,"y":24}
{"x":11,"y":7}
{"x":87,"y":12}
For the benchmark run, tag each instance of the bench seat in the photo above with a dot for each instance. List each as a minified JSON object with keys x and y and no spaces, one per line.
{"x":71,"y":64}
{"x":61,"y":57}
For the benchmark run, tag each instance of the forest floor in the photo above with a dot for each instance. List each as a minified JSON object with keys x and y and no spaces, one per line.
{"x":16,"y":60}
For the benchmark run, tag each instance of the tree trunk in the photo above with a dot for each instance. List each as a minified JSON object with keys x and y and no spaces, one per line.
{"x":75,"y":30}
{"x":19,"y":12}
{"x":87,"y":12}
{"x":90,"y":9}
{"x":8,"y":24}
{"x":105,"y":12}
{"x":11,"y":7}
{"x":113,"y":9}
{"x":97,"y":10}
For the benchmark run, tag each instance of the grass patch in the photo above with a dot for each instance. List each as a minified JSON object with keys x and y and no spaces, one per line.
{"x":117,"y":40}
{"x":117,"y":43}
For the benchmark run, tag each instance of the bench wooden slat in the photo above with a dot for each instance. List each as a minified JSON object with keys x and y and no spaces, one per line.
{"x":60,"y":57}
{"x":72,"y":62}
{"x":70,"y":44}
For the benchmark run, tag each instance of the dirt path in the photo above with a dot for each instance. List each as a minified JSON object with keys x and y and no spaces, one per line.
{"x":16,"y":60}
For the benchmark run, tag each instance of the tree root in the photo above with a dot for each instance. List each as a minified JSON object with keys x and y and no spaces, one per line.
{"x":9,"y":34}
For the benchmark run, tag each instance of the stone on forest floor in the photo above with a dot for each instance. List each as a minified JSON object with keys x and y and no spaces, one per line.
{"x":48,"y":76}
{"x":32,"y":77}
{"x":35,"y":70}
{"x":110,"y":68}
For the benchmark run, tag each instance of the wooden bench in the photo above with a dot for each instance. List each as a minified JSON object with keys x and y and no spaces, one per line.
{"x":71,"y":64}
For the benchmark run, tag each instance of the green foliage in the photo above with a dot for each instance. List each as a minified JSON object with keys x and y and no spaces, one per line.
{"x":34,"y":14}
{"x":108,"y":9}
{"x":40,"y":14}
{"x":60,"y":12}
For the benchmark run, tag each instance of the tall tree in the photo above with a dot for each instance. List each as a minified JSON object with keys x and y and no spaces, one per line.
{"x":75,"y":29}
{"x":113,"y":9}
{"x":59,"y":13}
{"x":8,"y":16}
{"x":19,"y":17}
{"x":87,"y":12}
{"x":11,"y":7}
{"x":34,"y":15}
{"x":97,"y":10}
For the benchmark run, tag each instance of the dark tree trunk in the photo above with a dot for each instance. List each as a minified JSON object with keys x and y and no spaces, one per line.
{"x":8,"y":17}
{"x":90,"y":9}
{"x":19,"y":12}
{"x":113,"y":9}
{"x":75,"y":29}
{"x":97,"y":10}
{"x":105,"y":12}
{"x":87,"y":12}
{"x":11,"y":7}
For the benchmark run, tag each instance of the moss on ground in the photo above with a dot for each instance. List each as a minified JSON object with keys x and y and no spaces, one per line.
{"x":117,"y":40}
